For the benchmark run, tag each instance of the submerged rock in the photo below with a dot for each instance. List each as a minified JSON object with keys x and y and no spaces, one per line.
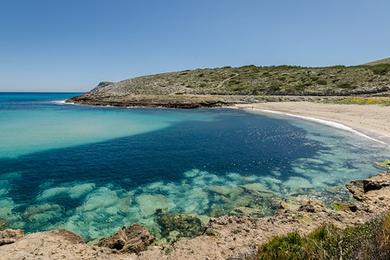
{"x":149,"y":203}
{"x":9,"y":236}
{"x":257,"y":187}
{"x":226,"y":191}
{"x":3,"y":224}
{"x":174,"y":226}
{"x":42,"y":213}
{"x":133,"y":239}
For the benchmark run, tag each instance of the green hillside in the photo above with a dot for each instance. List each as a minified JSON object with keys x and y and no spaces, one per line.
{"x":246,"y":81}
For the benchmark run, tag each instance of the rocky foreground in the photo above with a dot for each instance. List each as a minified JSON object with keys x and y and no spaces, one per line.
{"x":226,"y":237}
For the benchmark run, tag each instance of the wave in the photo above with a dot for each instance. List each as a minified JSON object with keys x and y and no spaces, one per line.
{"x":61,"y":102}
{"x":324,"y":122}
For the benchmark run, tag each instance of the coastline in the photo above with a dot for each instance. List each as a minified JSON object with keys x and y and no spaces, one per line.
{"x":231,"y":236}
{"x":226,"y":237}
{"x":368,"y":121}
{"x":350,"y":118}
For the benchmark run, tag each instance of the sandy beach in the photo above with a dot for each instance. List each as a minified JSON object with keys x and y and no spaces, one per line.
{"x":371,"y":120}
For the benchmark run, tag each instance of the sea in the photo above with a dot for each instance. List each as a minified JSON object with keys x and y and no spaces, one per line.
{"x":92,"y":170}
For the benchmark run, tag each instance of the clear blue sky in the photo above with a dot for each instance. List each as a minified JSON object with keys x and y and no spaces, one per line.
{"x":71,"y":45}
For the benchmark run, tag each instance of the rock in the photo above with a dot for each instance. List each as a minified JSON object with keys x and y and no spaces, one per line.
{"x":356,"y":188}
{"x":9,"y":236}
{"x":133,"y":239}
{"x":68,"y":236}
{"x":226,"y":191}
{"x":360,"y":187}
{"x":149,"y":203}
{"x":3,"y":224}
{"x":312,"y":206}
{"x":54,"y":244}
{"x":341,"y":206}
{"x":102,"y":85}
{"x":257,"y":187}
{"x":248,"y":211}
{"x":369,"y":185}
{"x":181,"y":225}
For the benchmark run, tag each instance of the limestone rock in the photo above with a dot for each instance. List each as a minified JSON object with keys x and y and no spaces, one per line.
{"x":312,"y":206}
{"x":9,"y":236}
{"x":133,"y":239}
{"x":360,"y":187}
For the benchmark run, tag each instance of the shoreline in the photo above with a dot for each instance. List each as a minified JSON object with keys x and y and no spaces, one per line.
{"x":342,"y":122}
{"x":329,"y":123}
{"x":226,"y":237}
{"x":368,"y":121}
{"x":230,"y":236}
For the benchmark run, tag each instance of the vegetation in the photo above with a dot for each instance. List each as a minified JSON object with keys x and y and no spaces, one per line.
{"x":385,"y":164}
{"x":254,"y":80}
{"x":381,"y":61}
{"x":366,"y":241}
{"x":365,"y":100}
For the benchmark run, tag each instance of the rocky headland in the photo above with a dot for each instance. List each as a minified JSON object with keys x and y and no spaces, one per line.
{"x":247,"y":84}
{"x":227,"y":237}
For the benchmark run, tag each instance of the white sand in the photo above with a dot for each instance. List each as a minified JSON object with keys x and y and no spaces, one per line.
{"x":370,"y":120}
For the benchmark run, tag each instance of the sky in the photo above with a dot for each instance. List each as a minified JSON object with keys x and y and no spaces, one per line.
{"x":72,"y":45}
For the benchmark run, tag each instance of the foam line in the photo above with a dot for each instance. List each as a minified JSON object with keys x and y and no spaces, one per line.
{"x":324,"y":122}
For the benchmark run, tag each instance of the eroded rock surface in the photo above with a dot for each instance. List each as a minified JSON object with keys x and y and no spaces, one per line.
{"x":56,"y":244}
{"x":133,"y":239}
{"x":9,"y":236}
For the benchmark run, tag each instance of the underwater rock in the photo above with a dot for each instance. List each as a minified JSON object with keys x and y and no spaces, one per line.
{"x":225,"y":190}
{"x":43,"y":212}
{"x":149,"y":203}
{"x":174,"y":226}
{"x":133,"y":239}
{"x":74,"y":191}
{"x":3,"y":224}
{"x":257,"y":187}
{"x":9,"y":236}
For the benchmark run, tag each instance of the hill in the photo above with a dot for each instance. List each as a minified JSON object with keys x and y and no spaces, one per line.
{"x":381,"y":61}
{"x":226,"y":85}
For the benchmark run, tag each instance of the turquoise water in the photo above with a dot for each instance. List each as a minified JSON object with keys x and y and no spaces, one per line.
{"x":92,"y":170}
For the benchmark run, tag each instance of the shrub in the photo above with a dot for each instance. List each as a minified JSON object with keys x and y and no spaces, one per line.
{"x":380,"y":69}
{"x":367,"y":241}
{"x":344,"y":85}
{"x":283,"y":247}
{"x":322,"y":82}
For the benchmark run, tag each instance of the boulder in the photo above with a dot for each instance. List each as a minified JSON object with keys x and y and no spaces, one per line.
{"x":133,"y":239}
{"x":312,"y":206}
{"x":9,"y":236}
{"x":360,"y":187}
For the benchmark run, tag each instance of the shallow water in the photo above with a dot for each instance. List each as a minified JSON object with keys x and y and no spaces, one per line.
{"x":92,"y":170}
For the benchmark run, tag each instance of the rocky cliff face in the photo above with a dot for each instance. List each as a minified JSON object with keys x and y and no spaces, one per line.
{"x":224,"y":237}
